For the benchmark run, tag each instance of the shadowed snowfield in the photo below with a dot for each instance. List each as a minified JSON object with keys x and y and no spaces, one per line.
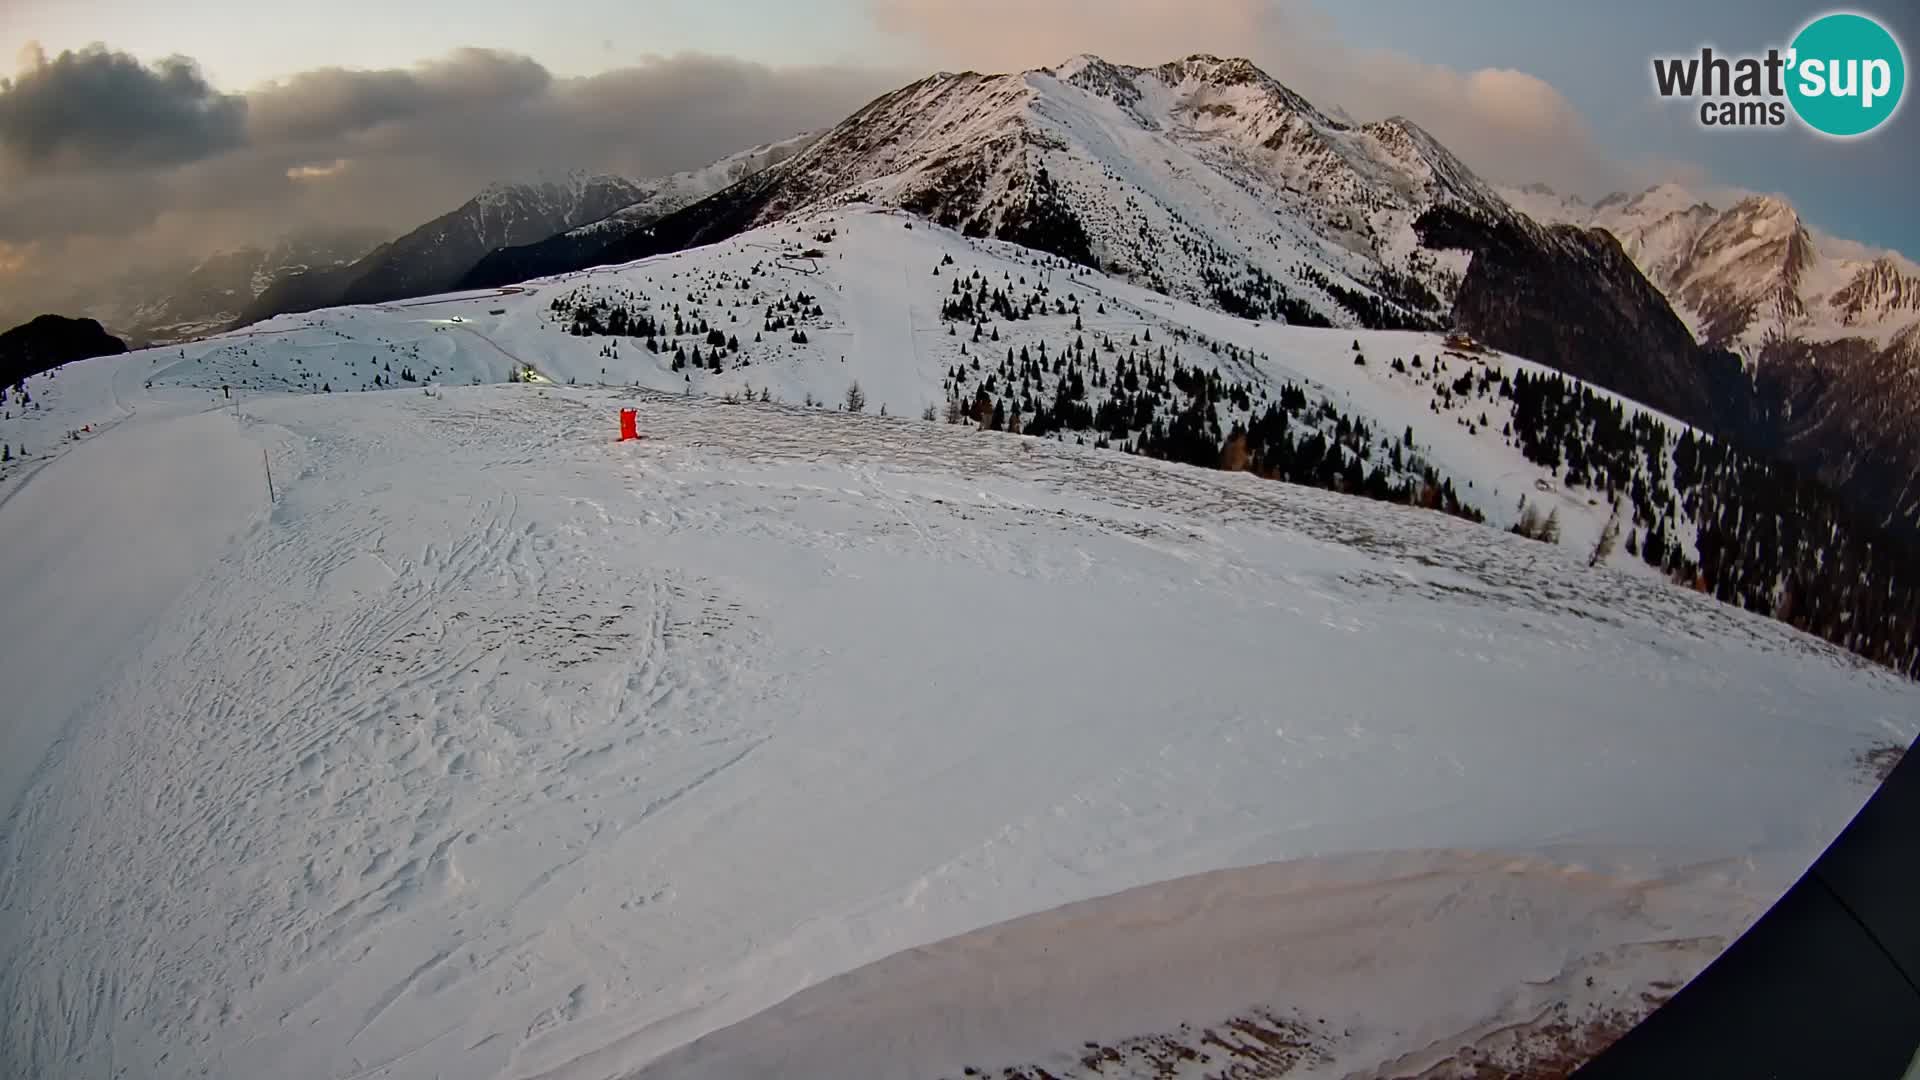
{"x":1319,"y":967}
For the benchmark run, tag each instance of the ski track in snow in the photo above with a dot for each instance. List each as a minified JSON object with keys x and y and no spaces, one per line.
{"x":500,"y":749}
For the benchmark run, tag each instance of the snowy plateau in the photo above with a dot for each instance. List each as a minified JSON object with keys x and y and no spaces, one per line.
{"x":791,"y":742}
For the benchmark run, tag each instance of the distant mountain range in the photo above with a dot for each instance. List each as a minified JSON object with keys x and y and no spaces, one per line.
{"x":1750,"y":272}
{"x":1207,"y":180}
{"x":433,"y":257}
{"x":511,"y":263}
{"x":1829,"y":333}
{"x":437,"y":256}
{"x":318,"y":268}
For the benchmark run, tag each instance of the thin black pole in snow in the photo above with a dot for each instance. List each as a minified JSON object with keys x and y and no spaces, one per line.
{"x":268,"y":465}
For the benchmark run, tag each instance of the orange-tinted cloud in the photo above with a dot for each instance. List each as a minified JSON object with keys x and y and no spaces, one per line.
{"x":14,"y":259}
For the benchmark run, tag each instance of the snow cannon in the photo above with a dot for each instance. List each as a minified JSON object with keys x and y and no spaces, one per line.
{"x":629,"y":424}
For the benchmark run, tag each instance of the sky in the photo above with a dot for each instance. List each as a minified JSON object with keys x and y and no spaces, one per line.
{"x":175,"y":129}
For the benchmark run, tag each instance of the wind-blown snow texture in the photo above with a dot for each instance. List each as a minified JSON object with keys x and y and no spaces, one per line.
{"x":498,"y":748}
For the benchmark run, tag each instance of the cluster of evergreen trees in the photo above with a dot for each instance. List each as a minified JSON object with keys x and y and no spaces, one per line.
{"x":1765,"y":537}
{"x":1255,"y":294}
{"x":1374,"y":312}
{"x":381,"y":379}
{"x":973,"y":298}
{"x":605,"y":317}
{"x":1331,"y":450}
{"x":787,"y":312}
{"x":1143,"y":400}
{"x":1252,"y":293}
{"x":708,"y":347}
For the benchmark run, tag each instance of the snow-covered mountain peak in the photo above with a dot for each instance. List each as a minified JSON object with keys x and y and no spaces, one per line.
{"x":1072,"y":67}
{"x":1760,"y":221}
{"x":662,"y":196}
{"x":1878,"y":289}
{"x":1745,"y":268}
{"x":1443,"y":177}
{"x":1202,"y":91}
{"x":549,"y":186}
{"x":1768,"y":216}
{"x":1663,"y":198}
{"x":1205,"y":67}
{"x":499,"y":192}
{"x":1202,"y":177}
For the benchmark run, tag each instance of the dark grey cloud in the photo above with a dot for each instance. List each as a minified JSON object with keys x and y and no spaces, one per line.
{"x":331,"y":102}
{"x":96,"y":107}
{"x":383,"y":149}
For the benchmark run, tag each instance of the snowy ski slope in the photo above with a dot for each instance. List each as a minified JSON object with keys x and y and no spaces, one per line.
{"x":494,"y":747}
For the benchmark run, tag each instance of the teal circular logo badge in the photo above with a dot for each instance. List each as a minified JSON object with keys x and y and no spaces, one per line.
{"x":1847,"y":74}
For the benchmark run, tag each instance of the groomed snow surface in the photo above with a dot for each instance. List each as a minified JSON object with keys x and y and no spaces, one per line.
{"x":496,"y":748}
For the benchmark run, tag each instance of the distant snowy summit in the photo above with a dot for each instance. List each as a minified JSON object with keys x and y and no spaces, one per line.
{"x":1750,"y":271}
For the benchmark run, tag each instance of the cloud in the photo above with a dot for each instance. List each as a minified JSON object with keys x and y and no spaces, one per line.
{"x":318,"y":171}
{"x":334,"y":102}
{"x":13,"y":260}
{"x":1010,"y":35}
{"x":1509,"y":125}
{"x":106,"y":162}
{"x":95,"y":108}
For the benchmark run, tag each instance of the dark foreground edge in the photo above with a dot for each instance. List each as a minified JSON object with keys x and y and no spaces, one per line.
{"x":1827,"y":983}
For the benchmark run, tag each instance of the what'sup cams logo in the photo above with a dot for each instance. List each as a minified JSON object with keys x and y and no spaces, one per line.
{"x":1842,"y":75}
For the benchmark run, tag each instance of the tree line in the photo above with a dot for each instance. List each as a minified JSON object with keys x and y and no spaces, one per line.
{"x":1764,"y":536}
{"x":1140,"y":399}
